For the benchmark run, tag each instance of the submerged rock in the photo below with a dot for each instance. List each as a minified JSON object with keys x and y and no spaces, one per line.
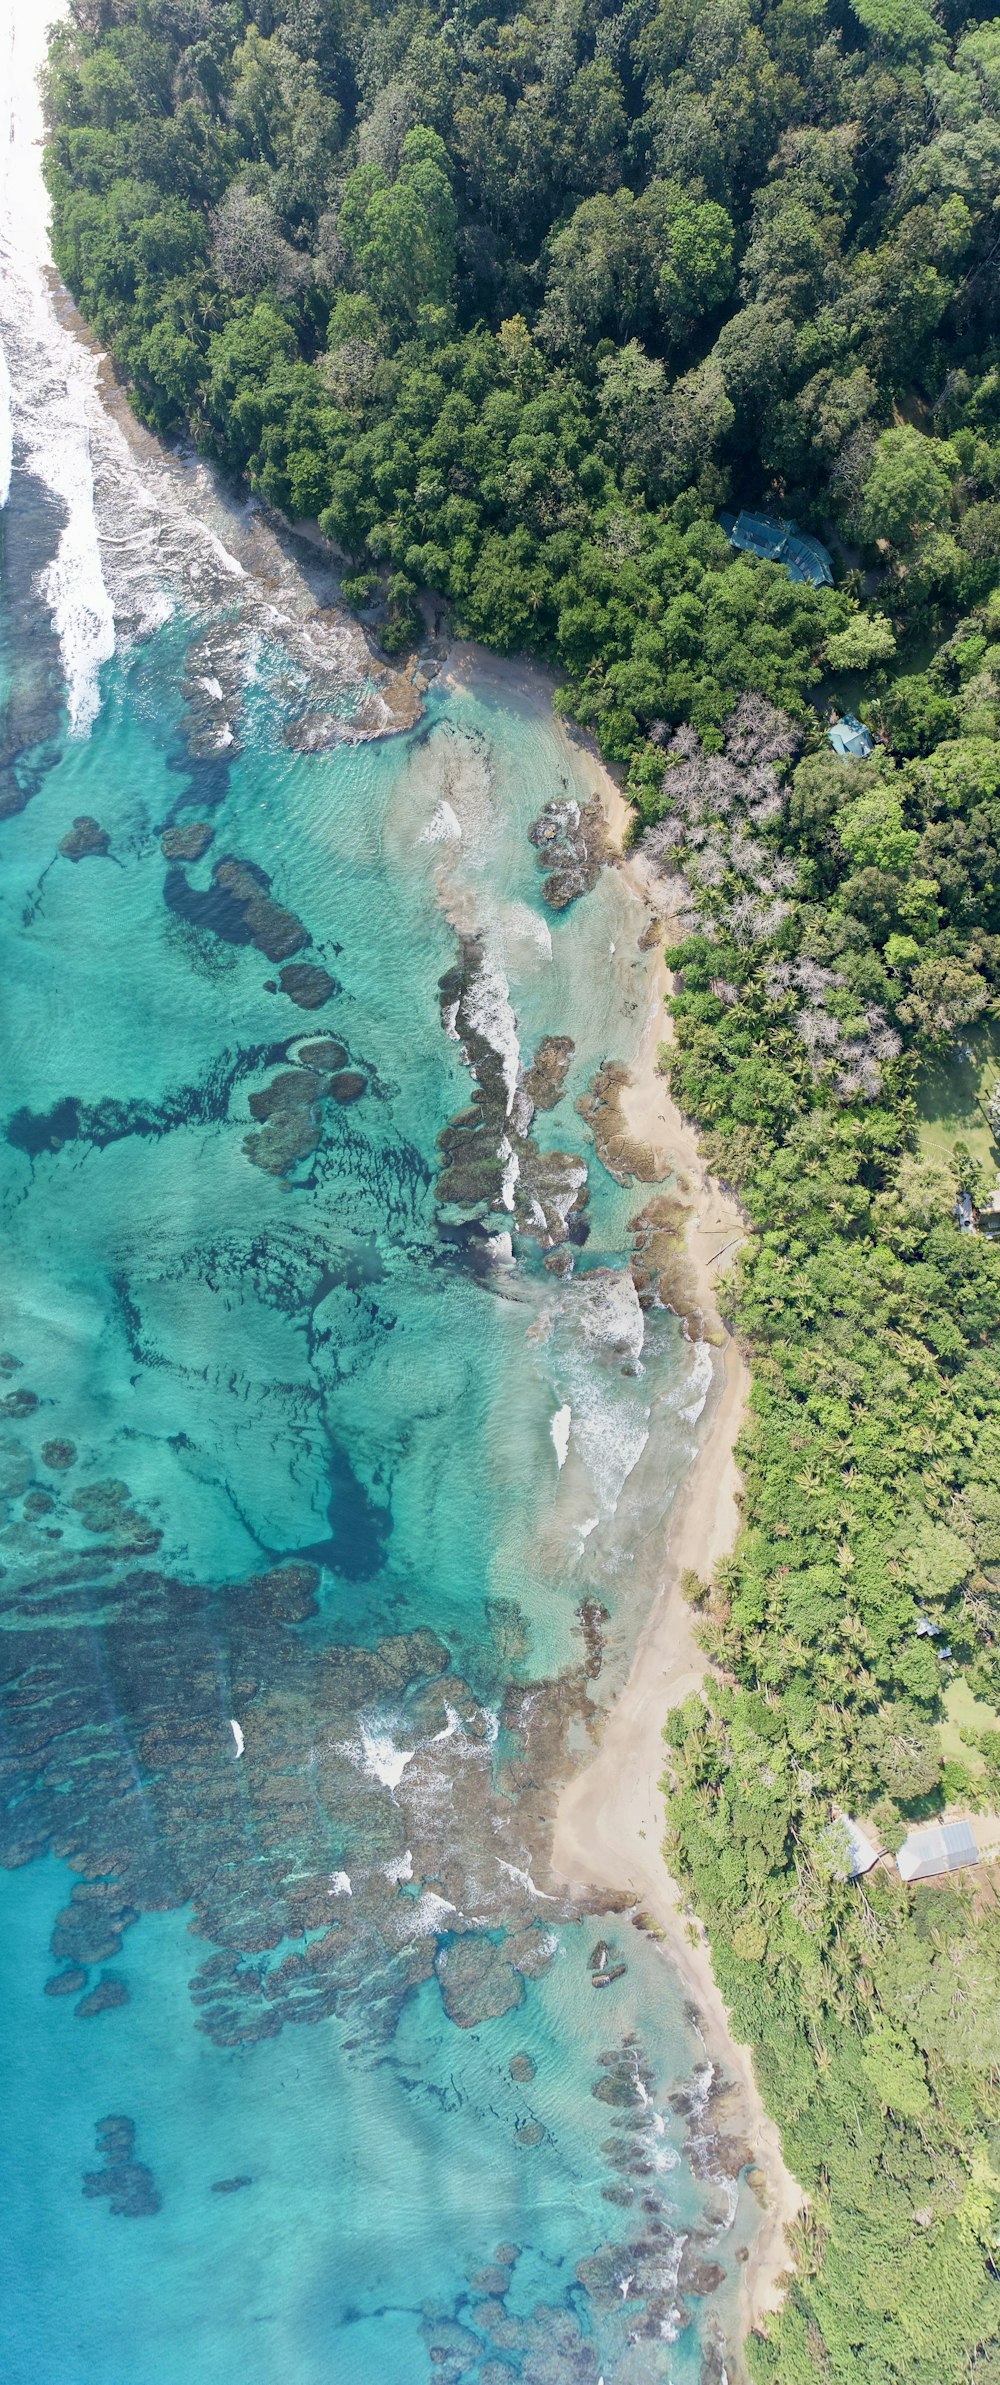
{"x":67,"y":1983}
{"x":128,"y":2184}
{"x":238,"y":907}
{"x":348,"y":1085}
{"x":286,"y":1110}
{"x":59,"y":1454}
{"x":323,"y":1052}
{"x":105,"y":1997}
{"x":188,"y":842}
{"x":86,"y":840}
{"x":307,"y":984}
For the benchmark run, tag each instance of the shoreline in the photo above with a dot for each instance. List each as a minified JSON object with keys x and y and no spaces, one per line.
{"x":614,"y":1802}
{"x":610,"y":1815}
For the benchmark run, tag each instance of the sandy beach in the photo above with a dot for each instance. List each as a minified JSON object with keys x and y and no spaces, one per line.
{"x":610,"y":1818}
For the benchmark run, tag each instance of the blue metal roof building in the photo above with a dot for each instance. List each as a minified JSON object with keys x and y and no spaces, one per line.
{"x":775,"y":541}
{"x":851,"y":739}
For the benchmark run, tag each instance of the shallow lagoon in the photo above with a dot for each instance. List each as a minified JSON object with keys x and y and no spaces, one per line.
{"x":302,"y":1420}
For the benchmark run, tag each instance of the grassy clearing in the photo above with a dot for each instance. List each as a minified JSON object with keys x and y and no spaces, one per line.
{"x":963,"y":1712}
{"x":950,"y":1094}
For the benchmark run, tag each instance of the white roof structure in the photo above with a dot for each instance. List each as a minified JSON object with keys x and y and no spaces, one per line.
{"x":862,"y":1851}
{"x":935,"y":1848}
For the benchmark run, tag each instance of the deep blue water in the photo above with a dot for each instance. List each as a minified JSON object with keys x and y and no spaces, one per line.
{"x":276,"y":1446}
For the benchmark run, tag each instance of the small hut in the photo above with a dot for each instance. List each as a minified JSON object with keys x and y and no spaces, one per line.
{"x":851,"y":739}
{"x":862,"y":1851}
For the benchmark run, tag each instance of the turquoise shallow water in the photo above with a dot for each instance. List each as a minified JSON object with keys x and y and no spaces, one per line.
{"x":275,"y":1447}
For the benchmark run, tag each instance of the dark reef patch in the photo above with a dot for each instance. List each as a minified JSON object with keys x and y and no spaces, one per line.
{"x":86,"y":840}
{"x":41,"y":1132}
{"x":109,"y":1993}
{"x":59,"y":1454}
{"x":188,"y":841}
{"x":128,"y":2184}
{"x":287,"y":1113}
{"x":307,"y":984}
{"x":238,"y":907}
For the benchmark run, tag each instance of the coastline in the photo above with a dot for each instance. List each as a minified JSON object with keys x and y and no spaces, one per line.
{"x":610,"y":1816}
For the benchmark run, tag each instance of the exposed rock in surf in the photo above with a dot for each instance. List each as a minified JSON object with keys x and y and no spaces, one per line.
{"x":545,"y":1081}
{"x":86,"y":840}
{"x":186,"y":843}
{"x":492,"y":1162}
{"x":624,"y":1155}
{"x":307,"y":984}
{"x":696,"y":2275}
{"x":660,"y":1267}
{"x":572,"y":844}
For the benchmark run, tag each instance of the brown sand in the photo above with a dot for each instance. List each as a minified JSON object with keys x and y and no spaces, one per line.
{"x":610,"y":1817}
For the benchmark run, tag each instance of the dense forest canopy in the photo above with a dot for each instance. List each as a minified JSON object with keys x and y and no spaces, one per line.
{"x":514,"y":301}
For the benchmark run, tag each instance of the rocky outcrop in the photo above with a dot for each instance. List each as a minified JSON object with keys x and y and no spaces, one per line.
{"x":571,"y":840}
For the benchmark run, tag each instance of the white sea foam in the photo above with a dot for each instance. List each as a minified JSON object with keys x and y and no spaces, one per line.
{"x":382,"y":1759}
{"x":606,"y":1315}
{"x":524,"y":1880}
{"x":698,"y":1384}
{"x":400,"y":1868}
{"x":340,"y":1884}
{"x":375,"y":1753}
{"x":427,"y":1915}
{"x":511,"y":1172}
{"x":53,"y":400}
{"x":443,"y":828}
{"x":559,"y":1429}
{"x":6,"y":428}
{"x":487,"y":1008}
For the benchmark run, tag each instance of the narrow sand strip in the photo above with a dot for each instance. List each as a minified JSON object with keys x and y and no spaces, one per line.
{"x":610,"y":1818}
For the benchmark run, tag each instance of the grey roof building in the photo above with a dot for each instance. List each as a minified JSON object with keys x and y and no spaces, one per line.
{"x":861,"y":1851}
{"x":935,"y":1848}
{"x":776,"y":541}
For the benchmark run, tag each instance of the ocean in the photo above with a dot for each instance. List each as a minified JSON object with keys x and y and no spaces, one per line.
{"x":336,"y":1456}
